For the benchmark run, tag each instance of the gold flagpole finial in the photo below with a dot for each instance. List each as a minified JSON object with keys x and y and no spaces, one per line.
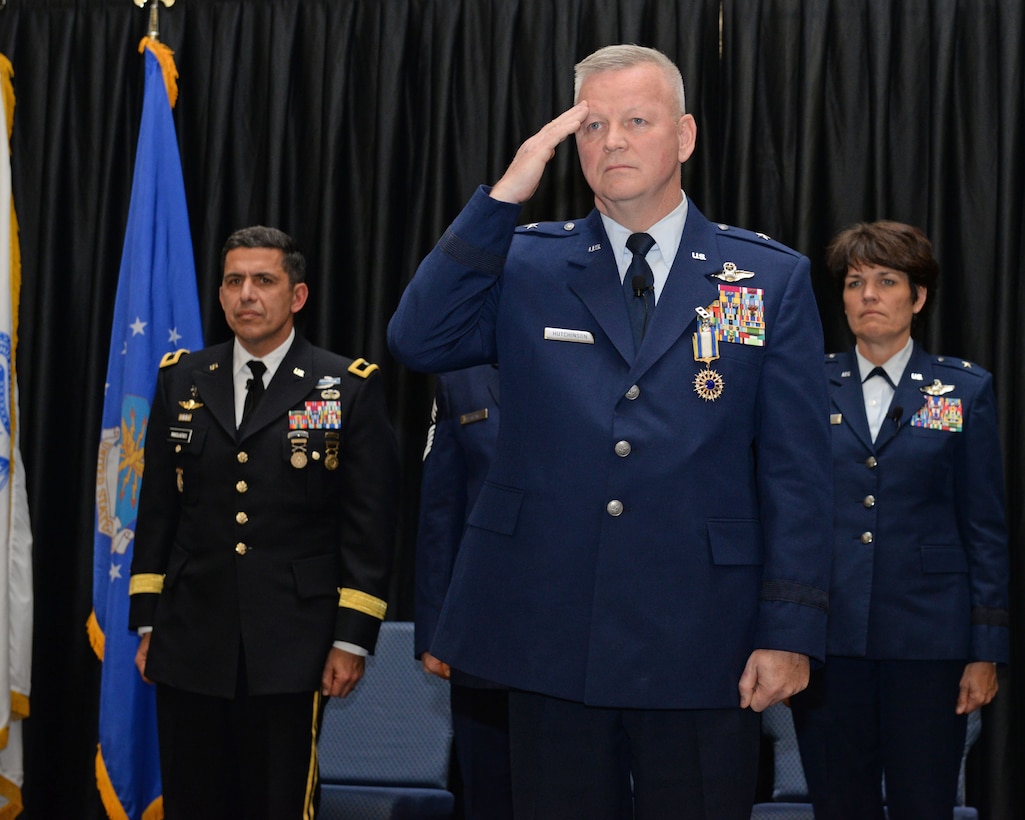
{"x":154,"y":20}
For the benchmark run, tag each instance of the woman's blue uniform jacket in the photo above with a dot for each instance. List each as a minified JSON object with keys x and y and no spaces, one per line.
{"x":920,"y":547}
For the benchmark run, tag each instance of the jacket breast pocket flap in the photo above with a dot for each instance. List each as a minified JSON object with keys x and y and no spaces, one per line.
{"x":735,"y":541}
{"x":316,"y":576}
{"x":497,"y":509}
{"x":944,"y":559}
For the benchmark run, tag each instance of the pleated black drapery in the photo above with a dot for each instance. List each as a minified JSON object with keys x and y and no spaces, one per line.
{"x":361,"y":127}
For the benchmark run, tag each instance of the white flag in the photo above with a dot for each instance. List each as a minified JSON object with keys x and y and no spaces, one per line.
{"x":15,"y":532}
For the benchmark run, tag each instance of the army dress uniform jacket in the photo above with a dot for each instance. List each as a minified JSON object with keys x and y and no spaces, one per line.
{"x":456,"y":461}
{"x":634,"y":540}
{"x":920,"y":561}
{"x":245,"y":549}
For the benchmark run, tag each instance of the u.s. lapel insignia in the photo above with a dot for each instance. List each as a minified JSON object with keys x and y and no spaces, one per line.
{"x":731,"y":274}
{"x":708,"y":383}
{"x":937,"y":388}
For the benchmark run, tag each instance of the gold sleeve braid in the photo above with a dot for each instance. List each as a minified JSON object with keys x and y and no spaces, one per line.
{"x":362,"y":602}
{"x":146,"y":582}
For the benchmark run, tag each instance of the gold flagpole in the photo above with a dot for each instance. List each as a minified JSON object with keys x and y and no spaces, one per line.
{"x":154,"y":18}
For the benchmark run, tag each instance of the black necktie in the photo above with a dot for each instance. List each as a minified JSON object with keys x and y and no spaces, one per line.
{"x":639,"y":285}
{"x":254,"y":388}
{"x":878,"y":371}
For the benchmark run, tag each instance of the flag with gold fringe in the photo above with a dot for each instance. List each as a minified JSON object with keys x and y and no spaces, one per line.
{"x":156,"y":311}
{"x":15,"y":529}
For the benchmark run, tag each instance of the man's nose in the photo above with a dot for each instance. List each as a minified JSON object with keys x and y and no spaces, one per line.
{"x":615,"y":138}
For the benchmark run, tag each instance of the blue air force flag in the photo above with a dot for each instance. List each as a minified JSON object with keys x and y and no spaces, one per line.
{"x":156,"y":311}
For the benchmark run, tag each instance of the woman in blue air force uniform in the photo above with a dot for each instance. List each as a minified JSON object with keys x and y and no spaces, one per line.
{"x":918,"y":596}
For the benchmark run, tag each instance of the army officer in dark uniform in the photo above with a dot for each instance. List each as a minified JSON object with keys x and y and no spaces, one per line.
{"x":918,"y":595}
{"x":264,"y":534}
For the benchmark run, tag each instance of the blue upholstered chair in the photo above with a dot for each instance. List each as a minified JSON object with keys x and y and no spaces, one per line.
{"x":384,"y":749}
{"x":790,"y":791}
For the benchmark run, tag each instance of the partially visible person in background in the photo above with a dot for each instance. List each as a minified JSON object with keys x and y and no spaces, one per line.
{"x":918,"y":615}
{"x":460,"y":446}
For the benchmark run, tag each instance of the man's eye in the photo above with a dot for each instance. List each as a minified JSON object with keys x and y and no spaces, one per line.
{"x":638,"y":121}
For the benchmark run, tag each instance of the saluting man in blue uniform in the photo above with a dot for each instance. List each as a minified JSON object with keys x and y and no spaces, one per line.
{"x":647,"y":561}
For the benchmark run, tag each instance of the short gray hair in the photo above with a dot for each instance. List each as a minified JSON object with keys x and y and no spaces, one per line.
{"x":614,"y":58}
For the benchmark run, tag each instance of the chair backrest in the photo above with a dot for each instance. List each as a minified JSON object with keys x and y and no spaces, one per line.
{"x":788,"y":784}
{"x":395,"y":728}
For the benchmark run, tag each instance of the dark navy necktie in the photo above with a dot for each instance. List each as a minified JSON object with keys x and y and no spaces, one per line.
{"x":254,"y":387}
{"x":878,"y":371}
{"x":639,"y":285}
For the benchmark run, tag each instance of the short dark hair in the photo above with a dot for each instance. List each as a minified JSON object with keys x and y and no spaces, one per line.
{"x":889,"y":244}
{"x":259,"y":236}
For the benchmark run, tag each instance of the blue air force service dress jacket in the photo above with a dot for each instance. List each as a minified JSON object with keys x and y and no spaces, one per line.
{"x":270,"y":542}
{"x":642,"y":528}
{"x":920,"y":554}
{"x":456,"y":461}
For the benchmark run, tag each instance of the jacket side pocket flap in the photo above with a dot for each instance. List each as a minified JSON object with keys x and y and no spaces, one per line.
{"x":497,"y":509}
{"x":944,"y":559}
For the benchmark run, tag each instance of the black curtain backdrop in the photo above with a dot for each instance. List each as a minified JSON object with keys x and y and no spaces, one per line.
{"x":362,"y":126}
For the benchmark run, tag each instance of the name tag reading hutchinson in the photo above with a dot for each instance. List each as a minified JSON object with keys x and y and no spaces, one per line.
{"x":562,"y":334}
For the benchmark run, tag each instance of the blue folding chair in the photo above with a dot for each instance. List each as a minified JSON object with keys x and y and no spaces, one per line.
{"x":384,"y":749}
